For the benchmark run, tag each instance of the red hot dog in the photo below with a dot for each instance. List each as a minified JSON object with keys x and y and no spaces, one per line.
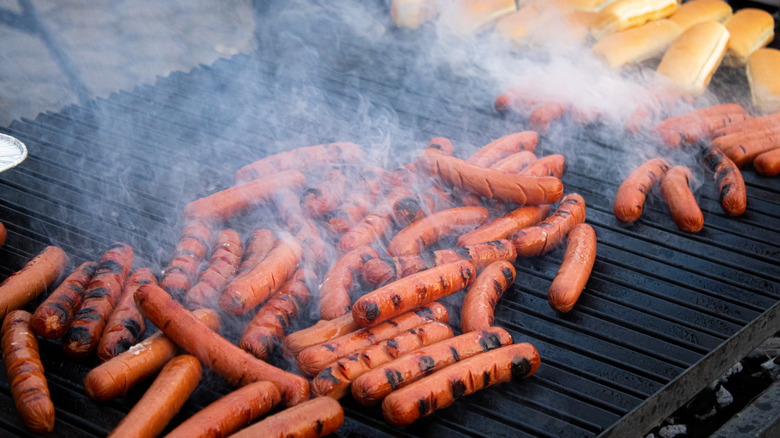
{"x":416,"y":237}
{"x":682,"y":204}
{"x":733,"y":195}
{"x":481,"y":299}
{"x":412,"y":291}
{"x":539,"y":239}
{"x":301,"y":159}
{"x":504,"y":227}
{"x":311,"y":419}
{"x":340,"y":281}
{"x":503,"y":147}
{"x":575,"y":269}
{"x":125,"y":326}
{"x":54,"y":315}
{"x":630,"y":197}
{"x":32,"y":280}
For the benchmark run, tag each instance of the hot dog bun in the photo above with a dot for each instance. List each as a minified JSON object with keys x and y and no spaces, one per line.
{"x":750,"y":30}
{"x":625,"y":14}
{"x":588,"y":5}
{"x":762,"y":72}
{"x":698,"y":11}
{"x":694,"y":56}
{"x":637,"y":44}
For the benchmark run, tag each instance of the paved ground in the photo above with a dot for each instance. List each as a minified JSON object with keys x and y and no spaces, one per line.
{"x":53,"y":54}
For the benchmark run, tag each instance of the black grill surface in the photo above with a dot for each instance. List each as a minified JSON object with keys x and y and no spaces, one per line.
{"x":663,"y":314}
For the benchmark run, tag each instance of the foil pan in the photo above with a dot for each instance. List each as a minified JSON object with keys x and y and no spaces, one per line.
{"x":12,"y":152}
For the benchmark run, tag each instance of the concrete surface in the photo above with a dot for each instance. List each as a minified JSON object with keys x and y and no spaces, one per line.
{"x":56,"y":53}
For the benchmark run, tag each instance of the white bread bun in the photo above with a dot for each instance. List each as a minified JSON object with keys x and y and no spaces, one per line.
{"x":471,"y":16}
{"x":763,"y":73}
{"x":588,"y":5}
{"x":694,"y":56}
{"x":697,"y":11}
{"x":637,"y":44}
{"x":625,"y":14}
{"x":412,"y":13}
{"x":750,"y":30}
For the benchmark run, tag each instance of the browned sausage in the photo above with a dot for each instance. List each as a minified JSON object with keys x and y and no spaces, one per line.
{"x":320,"y":332}
{"x":442,"y":388}
{"x":744,"y":148}
{"x":236,"y":200}
{"x":375,"y":224}
{"x":539,"y":239}
{"x":268,"y":324}
{"x":232,"y":363}
{"x":114,"y":377}
{"x":316,"y":358}
{"x":326,"y":196}
{"x":25,"y":372}
{"x":412,"y":291}
{"x":230,"y":413}
{"x":341,"y":280}
{"x":254,"y":286}
{"x":301,"y":159}
{"x":504,"y":227}
{"x":630,"y":197}
{"x":100,"y":298}
{"x":125,"y":326}
{"x":256,"y":248}
{"x":32,"y":280}
{"x":480,"y":301}
{"x":162,"y":400}
{"x":383,"y":271}
{"x":733,"y":195}
{"x":550,"y":165}
{"x":699,"y":129}
{"x":222,"y":267}
{"x":416,"y":237}
{"x":575,"y":270}
{"x":767,"y":164}
{"x":190,"y":250}
{"x":372,"y":387}
{"x":682,"y":204}
{"x":54,"y":315}
{"x":315,"y":418}
{"x":315,"y":250}
{"x":514,"y":163}
{"x":503,"y":147}
{"x":334,"y":381}
{"x":494,"y":184}
{"x":757,"y":124}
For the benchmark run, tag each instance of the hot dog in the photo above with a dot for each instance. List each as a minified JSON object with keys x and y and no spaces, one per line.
{"x":320,"y":332}
{"x":682,"y":204}
{"x":301,"y":159}
{"x":575,"y":270}
{"x":236,"y":200}
{"x":412,"y":291}
{"x":546,"y":113}
{"x":316,"y":358}
{"x":326,"y":196}
{"x":334,"y":381}
{"x":190,"y":250}
{"x":162,"y":400}
{"x":30,"y":281}
{"x":514,"y":163}
{"x":257,"y":284}
{"x":383,"y":271}
{"x":268,"y":324}
{"x":125,"y":326}
{"x":494,"y":184}
{"x":223,"y":266}
{"x":693,"y":117}
{"x":768,"y":163}
{"x":349,"y":213}
{"x":480,"y":301}
{"x":114,"y":377}
{"x":503,"y":147}
{"x":410,"y":209}
{"x":442,"y":388}
{"x":375,"y":224}
{"x":699,"y":129}
{"x":733,"y":196}
{"x":256,"y":248}
{"x":539,"y":239}
{"x":371,"y":387}
{"x":232,"y":363}
{"x":302,"y":227}
{"x":757,"y":124}
{"x":54,"y":315}
{"x":630,"y":197}
{"x":504,"y":227}
{"x":551,"y":165}
{"x":749,"y":146}
{"x":416,"y":237}
{"x":230,"y":413}
{"x":100,"y":298}
{"x":3,"y":233}
{"x":315,"y":418}
{"x":340,"y":281}
{"x":25,"y":372}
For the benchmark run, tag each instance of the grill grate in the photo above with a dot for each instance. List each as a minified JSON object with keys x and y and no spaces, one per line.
{"x":658,"y":303}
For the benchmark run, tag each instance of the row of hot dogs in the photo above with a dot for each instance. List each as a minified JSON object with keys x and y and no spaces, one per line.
{"x":395,"y":334}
